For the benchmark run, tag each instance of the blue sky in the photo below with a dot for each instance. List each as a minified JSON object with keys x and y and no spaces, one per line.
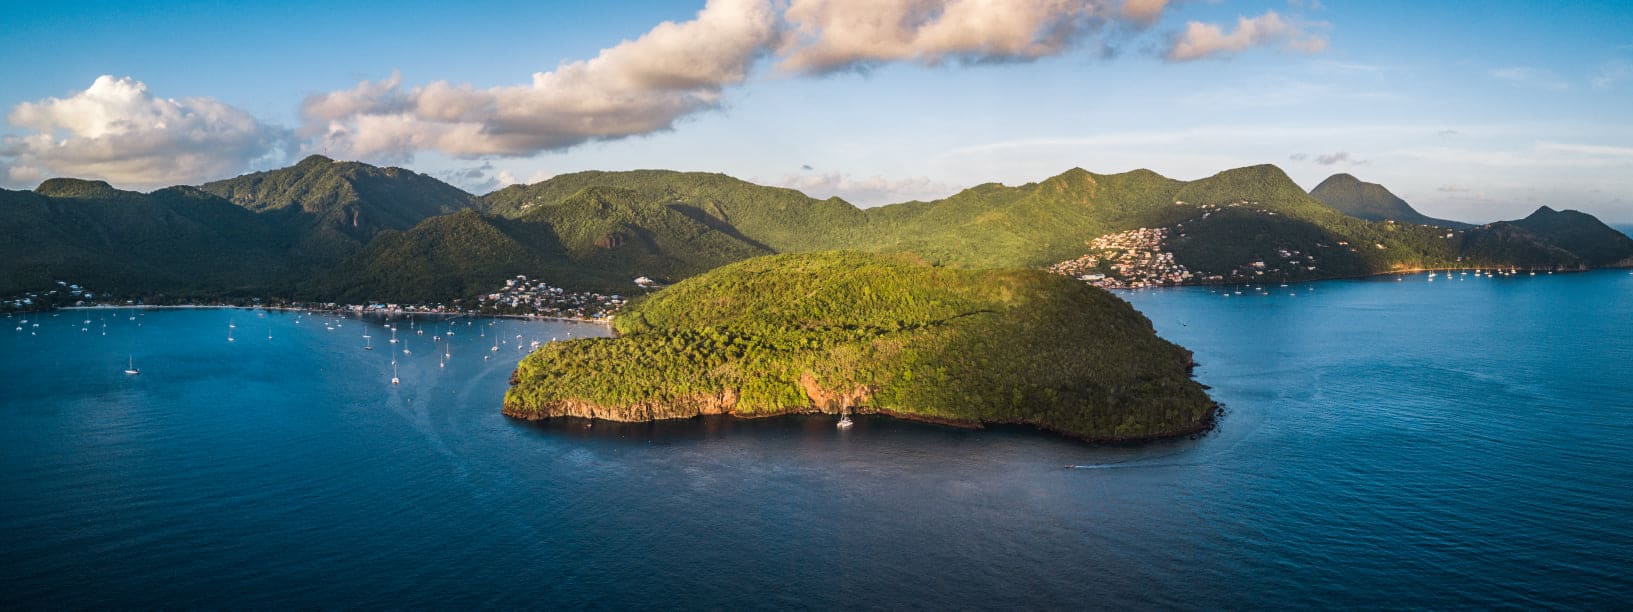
{"x":1474,"y":111}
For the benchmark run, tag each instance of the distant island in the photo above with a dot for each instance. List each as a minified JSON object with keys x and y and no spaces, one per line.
{"x":846,"y":332}
{"x":327,"y":231}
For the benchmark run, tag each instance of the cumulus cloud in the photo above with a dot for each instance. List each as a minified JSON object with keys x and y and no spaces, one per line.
{"x":636,"y":87}
{"x":117,"y":131}
{"x":829,"y":35}
{"x":867,"y":191}
{"x":1202,"y":40}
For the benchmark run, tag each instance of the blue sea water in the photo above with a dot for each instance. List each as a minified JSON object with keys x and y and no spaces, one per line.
{"x":1386,"y":443}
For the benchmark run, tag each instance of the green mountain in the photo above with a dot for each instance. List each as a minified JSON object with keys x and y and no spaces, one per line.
{"x":772,"y":218}
{"x":1372,"y":202}
{"x":1585,"y":237}
{"x":890,"y":334}
{"x":339,"y":206}
{"x":599,"y":238}
{"x":178,"y":241}
{"x":327,"y":230}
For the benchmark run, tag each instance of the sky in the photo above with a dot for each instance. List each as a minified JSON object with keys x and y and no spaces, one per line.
{"x":1469,"y":110}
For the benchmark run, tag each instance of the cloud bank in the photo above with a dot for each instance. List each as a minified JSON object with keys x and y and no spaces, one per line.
{"x":830,"y":35}
{"x":1203,"y":40}
{"x":677,"y":69}
{"x":116,"y":130}
{"x":636,"y":87}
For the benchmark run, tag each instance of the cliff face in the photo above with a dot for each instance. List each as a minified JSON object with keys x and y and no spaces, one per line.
{"x":871,"y":334}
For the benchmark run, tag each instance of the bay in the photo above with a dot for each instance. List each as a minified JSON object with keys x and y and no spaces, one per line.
{"x":1386,"y":443}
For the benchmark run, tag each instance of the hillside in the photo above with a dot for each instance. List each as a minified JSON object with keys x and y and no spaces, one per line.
{"x":339,"y":206}
{"x":1372,"y":202}
{"x":891,"y":334}
{"x":178,"y":241}
{"x":598,"y":239}
{"x":328,"y":230}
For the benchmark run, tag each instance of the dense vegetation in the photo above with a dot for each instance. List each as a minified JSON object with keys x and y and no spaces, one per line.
{"x":326,"y":230}
{"x":337,"y":207}
{"x":177,"y":242}
{"x":838,"y":331}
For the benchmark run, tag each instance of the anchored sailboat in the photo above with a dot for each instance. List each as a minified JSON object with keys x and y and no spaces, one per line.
{"x":130,"y":367}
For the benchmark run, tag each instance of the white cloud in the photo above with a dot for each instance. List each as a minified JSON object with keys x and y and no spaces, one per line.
{"x":117,"y":131}
{"x":1338,"y":157}
{"x":1201,"y":40}
{"x":635,"y":87}
{"x":830,"y":35}
{"x":867,"y":191}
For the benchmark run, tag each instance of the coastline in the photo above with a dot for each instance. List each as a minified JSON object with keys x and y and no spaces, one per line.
{"x":1400,"y":272}
{"x":396,"y":313}
{"x":1207,"y":424}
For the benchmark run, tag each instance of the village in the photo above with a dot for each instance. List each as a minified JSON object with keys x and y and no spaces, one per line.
{"x":521,"y":295}
{"x":1127,"y":260}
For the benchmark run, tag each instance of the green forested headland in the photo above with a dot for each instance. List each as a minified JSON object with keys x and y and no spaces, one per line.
{"x":893,"y":334}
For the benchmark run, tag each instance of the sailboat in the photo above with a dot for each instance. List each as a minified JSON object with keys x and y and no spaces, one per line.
{"x":130,"y":367}
{"x":229,"y":333}
{"x":394,"y":334}
{"x":394,"y":379}
{"x":368,"y":345}
{"x":845,"y":421}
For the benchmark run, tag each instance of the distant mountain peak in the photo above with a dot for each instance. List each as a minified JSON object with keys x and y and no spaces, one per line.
{"x":312,"y":160}
{"x":1371,"y":201}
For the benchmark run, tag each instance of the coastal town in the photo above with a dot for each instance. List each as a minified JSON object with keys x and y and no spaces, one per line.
{"x":521,"y":295}
{"x":1127,"y":260}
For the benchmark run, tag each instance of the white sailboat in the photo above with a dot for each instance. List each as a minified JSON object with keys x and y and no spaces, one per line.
{"x":394,"y":379}
{"x":229,"y":333}
{"x":130,"y":367}
{"x":368,"y":345}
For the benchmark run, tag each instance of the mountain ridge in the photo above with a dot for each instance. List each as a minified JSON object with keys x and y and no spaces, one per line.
{"x":318,"y":222}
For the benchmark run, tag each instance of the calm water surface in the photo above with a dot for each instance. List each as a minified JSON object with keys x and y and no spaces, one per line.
{"x":1386,"y":444}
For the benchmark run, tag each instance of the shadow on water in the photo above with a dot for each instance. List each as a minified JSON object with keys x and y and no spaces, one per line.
{"x":820,"y":428}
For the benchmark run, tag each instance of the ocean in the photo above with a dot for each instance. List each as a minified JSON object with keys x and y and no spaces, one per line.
{"x":1386,"y":442}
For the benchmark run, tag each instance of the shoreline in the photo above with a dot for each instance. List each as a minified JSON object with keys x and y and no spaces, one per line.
{"x":1401,"y":272}
{"x":399,"y":313}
